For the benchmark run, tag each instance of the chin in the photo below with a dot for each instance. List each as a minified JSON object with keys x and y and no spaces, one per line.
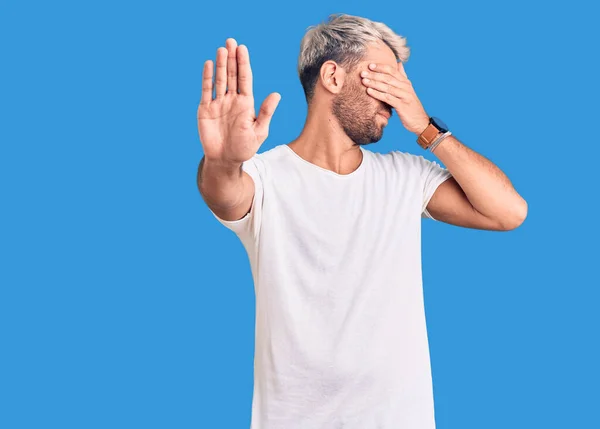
{"x":376,"y":138}
{"x":379,"y":135}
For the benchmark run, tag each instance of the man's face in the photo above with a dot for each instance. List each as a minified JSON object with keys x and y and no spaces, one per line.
{"x":359,"y":114}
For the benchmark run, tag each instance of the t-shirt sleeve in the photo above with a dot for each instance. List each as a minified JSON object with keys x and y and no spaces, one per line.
{"x":249,"y":225}
{"x":432,"y":176}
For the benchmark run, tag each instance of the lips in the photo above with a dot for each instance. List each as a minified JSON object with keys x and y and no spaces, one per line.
{"x":385,"y":114}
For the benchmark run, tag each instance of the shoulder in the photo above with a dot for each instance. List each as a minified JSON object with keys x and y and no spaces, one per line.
{"x":269,"y":156}
{"x":416,"y":163}
{"x":272,"y":154}
{"x":408,"y":158}
{"x":260,"y":165}
{"x":397,"y":160}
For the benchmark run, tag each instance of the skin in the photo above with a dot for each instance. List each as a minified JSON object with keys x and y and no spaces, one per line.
{"x":342,"y":115}
{"x":230,"y":131}
{"x":348,"y":109}
{"x":479,"y":195}
{"x":356,"y":112}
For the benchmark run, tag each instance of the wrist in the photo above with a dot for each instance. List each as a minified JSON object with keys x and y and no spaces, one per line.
{"x":221,"y":164}
{"x":435,"y":132}
{"x":439,"y":141}
{"x":422,"y":127}
{"x":219,"y":169}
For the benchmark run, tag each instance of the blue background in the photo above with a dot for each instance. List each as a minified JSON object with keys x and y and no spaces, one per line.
{"x":125,"y":304}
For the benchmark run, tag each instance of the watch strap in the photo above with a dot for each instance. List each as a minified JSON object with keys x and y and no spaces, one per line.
{"x":428,"y":136}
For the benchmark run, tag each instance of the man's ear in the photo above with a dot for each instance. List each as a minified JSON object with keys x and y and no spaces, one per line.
{"x":332,"y":77}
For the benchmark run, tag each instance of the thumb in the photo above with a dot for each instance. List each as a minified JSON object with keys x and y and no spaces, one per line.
{"x":266,"y":113}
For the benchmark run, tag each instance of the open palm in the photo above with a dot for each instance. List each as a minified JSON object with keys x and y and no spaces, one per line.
{"x":230,"y":131}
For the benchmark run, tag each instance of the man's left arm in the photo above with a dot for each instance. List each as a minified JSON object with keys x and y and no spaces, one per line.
{"x":479,"y":195}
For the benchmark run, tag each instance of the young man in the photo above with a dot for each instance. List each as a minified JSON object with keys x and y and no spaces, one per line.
{"x":333,"y":230}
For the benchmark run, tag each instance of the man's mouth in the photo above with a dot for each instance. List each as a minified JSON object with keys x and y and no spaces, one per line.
{"x":385,"y":114}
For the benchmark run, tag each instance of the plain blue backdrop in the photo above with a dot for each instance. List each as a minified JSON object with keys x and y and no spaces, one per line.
{"x":125,"y":304}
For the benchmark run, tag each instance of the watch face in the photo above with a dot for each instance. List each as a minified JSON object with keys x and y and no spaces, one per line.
{"x":439,"y":124}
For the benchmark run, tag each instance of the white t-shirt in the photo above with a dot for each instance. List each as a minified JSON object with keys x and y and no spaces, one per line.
{"x":341,"y":338}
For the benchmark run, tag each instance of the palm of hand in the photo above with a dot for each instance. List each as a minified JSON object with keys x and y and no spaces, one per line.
{"x":229,"y":130}
{"x":231,"y":120}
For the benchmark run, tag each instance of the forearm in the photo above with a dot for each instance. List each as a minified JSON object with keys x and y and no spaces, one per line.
{"x":221,"y":186}
{"x":488,"y":189}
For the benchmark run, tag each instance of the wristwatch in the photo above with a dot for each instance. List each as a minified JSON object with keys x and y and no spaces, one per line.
{"x":435,"y":128}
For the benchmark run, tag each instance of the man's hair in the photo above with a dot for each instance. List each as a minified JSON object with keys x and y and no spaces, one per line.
{"x":343,"y":39}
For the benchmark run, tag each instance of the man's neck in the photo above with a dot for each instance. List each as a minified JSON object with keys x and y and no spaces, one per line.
{"x":324,"y":143}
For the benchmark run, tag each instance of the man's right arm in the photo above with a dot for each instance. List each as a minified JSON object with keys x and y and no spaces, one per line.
{"x":226,"y":189}
{"x":231,"y":134}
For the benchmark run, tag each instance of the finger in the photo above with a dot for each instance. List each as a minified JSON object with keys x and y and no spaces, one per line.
{"x":387,"y":80}
{"x":388,"y":70}
{"x":266,"y":113}
{"x":221,"y":78}
{"x":387,"y":88}
{"x":207,"y":82}
{"x":402,"y":83}
{"x":385,"y":97}
{"x":231,"y":65}
{"x":244,"y":70}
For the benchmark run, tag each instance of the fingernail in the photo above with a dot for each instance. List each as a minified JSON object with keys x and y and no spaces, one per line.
{"x":372,"y":66}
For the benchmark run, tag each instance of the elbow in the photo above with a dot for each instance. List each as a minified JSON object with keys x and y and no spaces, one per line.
{"x":516,"y":217}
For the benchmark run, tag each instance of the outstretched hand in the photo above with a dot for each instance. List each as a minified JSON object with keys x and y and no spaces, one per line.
{"x":230,"y":131}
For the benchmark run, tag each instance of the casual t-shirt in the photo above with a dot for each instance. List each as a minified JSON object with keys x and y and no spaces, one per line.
{"x":341,"y":338}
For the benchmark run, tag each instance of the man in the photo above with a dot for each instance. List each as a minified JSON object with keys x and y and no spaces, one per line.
{"x":333,"y":230}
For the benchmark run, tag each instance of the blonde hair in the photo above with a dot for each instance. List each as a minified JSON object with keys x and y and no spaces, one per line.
{"x":343,"y":39}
